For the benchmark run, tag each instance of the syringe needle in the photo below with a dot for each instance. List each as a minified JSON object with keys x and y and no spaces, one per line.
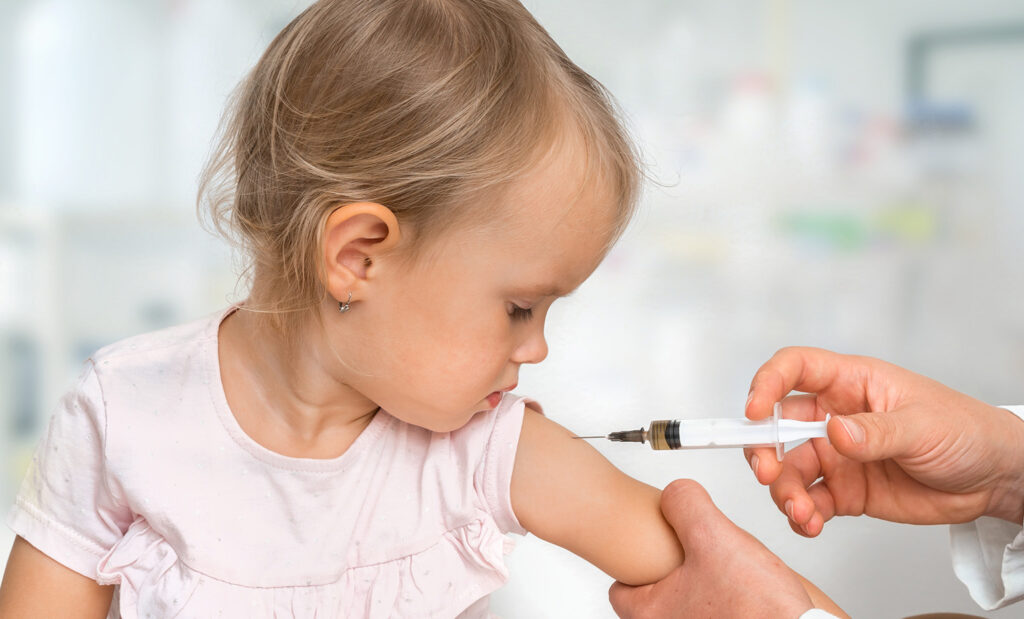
{"x":628,"y":436}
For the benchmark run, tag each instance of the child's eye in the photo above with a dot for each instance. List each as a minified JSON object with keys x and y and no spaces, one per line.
{"x":520,"y":313}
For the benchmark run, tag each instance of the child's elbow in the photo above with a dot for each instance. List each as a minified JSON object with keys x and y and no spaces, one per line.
{"x":644,"y":562}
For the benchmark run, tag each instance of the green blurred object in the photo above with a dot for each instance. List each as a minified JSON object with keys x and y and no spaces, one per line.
{"x":905,"y":223}
{"x":834,"y":229}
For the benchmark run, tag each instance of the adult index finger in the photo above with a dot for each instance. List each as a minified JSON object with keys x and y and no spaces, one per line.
{"x":793,"y":368}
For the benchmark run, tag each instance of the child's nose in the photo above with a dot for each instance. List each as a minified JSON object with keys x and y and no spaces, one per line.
{"x":533,"y":349}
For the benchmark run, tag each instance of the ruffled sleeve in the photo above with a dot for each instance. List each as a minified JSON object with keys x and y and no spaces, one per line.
{"x":487,"y":446}
{"x":65,"y":506}
{"x":499,"y":459}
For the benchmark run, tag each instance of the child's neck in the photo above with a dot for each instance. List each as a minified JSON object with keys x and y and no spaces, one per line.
{"x":288,"y":401}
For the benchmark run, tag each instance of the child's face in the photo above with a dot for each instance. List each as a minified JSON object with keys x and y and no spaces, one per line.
{"x":441,"y":341}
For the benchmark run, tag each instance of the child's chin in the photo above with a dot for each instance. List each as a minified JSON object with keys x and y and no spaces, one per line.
{"x":452,"y":425}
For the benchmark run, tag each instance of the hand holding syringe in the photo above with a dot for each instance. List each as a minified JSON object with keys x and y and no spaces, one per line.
{"x":725,"y":432}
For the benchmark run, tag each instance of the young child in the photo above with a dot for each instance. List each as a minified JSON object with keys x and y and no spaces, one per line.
{"x":415,"y":182}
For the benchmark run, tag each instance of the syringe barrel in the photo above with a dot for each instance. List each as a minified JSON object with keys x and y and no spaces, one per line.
{"x":689,"y":433}
{"x":728,"y":432}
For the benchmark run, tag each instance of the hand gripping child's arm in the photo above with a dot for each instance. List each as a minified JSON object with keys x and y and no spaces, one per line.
{"x":566,"y":493}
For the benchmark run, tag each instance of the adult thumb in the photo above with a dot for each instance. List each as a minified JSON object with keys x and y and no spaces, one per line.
{"x":875,"y":436}
{"x":689,"y":510}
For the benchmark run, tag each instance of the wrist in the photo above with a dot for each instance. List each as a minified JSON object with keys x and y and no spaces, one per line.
{"x":1007,"y":501}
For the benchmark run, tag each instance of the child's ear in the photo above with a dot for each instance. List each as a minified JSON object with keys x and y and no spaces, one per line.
{"x":353,"y":236}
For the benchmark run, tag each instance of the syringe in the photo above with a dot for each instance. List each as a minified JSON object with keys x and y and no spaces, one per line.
{"x":725,"y":432}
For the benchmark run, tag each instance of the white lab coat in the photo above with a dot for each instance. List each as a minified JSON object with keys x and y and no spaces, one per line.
{"x":988,"y":557}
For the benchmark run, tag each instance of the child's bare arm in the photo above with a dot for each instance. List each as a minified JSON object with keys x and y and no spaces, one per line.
{"x":35,"y":585}
{"x":565,"y":492}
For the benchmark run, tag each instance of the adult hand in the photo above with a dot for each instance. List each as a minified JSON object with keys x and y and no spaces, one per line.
{"x":901,"y":447}
{"x":726,"y":573}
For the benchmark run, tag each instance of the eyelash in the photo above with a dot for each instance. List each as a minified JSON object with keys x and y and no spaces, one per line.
{"x":521,"y":313}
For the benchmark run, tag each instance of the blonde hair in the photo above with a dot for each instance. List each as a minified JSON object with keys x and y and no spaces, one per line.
{"x":418,"y":105}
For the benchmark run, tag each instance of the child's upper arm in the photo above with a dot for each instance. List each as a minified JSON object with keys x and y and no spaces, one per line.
{"x":35,"y":585}
{"x":566,"y":493}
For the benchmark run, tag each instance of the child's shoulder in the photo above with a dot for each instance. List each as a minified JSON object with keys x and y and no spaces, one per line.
{"x":154,"y":345}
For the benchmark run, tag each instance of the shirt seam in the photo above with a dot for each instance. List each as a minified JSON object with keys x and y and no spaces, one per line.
{"x":427,"y":547}
{"x":116,"y":355}
{"x":73,"y":536}
{"x":103,"y":437}
{"x":339,"y":575}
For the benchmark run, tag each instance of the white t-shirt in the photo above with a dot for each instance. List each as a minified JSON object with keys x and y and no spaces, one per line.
{"x":145,"y":480}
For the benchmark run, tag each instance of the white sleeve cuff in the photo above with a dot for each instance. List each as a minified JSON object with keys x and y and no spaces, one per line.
{"x":988,"y":556}
{"x":1016,"y":410}
{"x":817,"y":613}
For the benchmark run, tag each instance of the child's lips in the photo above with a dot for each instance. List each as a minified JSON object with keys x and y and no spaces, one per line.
{"x":494,"y":398}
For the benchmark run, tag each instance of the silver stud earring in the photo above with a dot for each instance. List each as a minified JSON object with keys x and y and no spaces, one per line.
{"x":346,"y":306}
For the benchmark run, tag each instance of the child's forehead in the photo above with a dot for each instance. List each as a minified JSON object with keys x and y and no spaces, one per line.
{"x":566,"y":181}
{"x":553,"y":231}
{"x":558,"y":218}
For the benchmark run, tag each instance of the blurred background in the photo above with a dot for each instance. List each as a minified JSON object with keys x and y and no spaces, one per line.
{"x":836,"y":174}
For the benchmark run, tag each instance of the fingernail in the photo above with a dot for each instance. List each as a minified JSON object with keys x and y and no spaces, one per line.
{"x":753,"y":464}
{"x":854,"y":430}
{"x":789,"y":508}
{"x":750,"y":397}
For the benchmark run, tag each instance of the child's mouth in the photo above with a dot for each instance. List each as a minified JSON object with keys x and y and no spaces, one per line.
{"x":495,"y":396}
